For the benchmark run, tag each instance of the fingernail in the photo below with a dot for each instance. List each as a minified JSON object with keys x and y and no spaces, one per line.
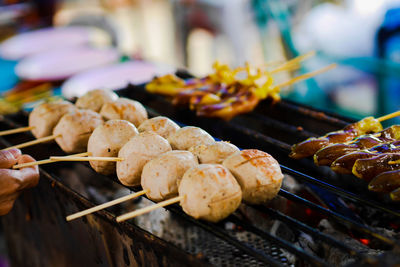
{"x":15,"y":152}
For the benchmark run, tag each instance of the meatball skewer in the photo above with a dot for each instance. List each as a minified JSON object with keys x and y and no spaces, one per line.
{"x":44,"y":117}
{"x":257,"y":173}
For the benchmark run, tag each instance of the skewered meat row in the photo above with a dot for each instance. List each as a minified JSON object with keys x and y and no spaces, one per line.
{"x":371,"y":157}
{"x":310,"y":146}
{"x":73,"y":126}
{"x":327,"y":155}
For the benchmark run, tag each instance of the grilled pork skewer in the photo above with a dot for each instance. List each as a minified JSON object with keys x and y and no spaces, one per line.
{"x":367,"y":125}
{"x":327,"y":155}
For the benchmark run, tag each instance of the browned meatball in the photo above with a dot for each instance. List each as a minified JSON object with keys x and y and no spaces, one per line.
{"x":160,"y":125}
{"x":258,"y":174}
{"x":75,"y":128}
{"x":161,"y":174}
{"x":106,"y":141}
{"x":124,"y":109}
{"x":95,"y":99}
{"x":46,"y":116}
{"x":136,"y":153}
{"x":216,"y":152}
{"x":210,"y":192}
{"x":189,"y":136}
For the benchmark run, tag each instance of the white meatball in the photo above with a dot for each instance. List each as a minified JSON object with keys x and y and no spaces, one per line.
{"x":216,"y":152}
{"x":75,"y":128}
{"x":160,"y":125}
{"x":46,"y":116}
{"x":136,"y":153}
{"x":189,"y":136}
{"x":125,"y":109}
{"x":210,"y":192}
{"x":95,"y":99}
{"x":161,"y":174}
{"x":106,"y":141}
{"x":258,"y":174}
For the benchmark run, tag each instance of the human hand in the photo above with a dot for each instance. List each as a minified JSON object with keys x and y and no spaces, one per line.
{"x":12,"y":182}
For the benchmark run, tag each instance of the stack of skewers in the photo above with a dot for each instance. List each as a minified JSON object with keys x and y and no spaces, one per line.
{"x":209,"y":179}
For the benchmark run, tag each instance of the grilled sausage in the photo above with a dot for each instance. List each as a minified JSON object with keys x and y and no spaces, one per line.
{"x":209,"y":192}
{"x":106,"y":141}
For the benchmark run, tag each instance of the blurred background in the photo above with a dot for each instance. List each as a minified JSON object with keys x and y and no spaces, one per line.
{"x":362,"y":36}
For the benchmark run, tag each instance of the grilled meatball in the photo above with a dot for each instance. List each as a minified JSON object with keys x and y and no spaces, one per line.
{"x":124,"y":109}
{"x":160,"y":175}
{"x":258,"y":174}
{"x":95,"y":99}
{"x":136,"y":153}
{"x":209,"y":192}
{"x":189,"y":136}
{"x":106,"y":141}
{"x":215,"y":152}
{"x":46,"y":116}
{"x":160,"y":125}
{"x":75,"y":128}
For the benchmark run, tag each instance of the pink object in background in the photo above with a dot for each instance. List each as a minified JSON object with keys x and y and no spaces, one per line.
{"x":63,"y":63}
{"x":30,"y":43}
{"x":113,"y":77}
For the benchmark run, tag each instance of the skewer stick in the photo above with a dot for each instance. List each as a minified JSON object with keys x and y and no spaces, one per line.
{"x":18,"y":130}
{"x":68,"y":158}
{"x":46,"y":161}
{"x":389,"y":116}
{"x":307,"y":75}
{"x":34,"y":142}
{"x":139,"y":212}
{"x":105,"y":205}
{"x":293,"y":62}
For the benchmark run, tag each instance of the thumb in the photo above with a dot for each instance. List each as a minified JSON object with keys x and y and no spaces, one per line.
{"x":28,"y":176}
{"x":9,"y":157}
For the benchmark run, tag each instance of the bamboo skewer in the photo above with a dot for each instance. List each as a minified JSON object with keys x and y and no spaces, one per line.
{"x":389,"y":116}
{"x":306,"y":76}
{"x":139,"y":212}
{"x":68,"y":158}
{"x":18,"y":130}
{"x":293,"y":62}
{"x":46,"y":161}
{"x":34,"y":142}
{"x":105,"y":205}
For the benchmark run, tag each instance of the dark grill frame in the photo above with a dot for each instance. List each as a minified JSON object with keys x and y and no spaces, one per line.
{"x":263,"y":116}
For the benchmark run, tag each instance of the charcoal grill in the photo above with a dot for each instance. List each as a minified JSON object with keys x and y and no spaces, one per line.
{"x":38,"y":234}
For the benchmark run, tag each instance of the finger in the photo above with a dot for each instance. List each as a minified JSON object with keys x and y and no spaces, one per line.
{"x":6,"y":207}
{"x":28,"y":176}
{"x":9,"y":157}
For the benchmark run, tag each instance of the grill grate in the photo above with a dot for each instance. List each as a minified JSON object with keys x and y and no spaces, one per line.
{"x":247,"y":244}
